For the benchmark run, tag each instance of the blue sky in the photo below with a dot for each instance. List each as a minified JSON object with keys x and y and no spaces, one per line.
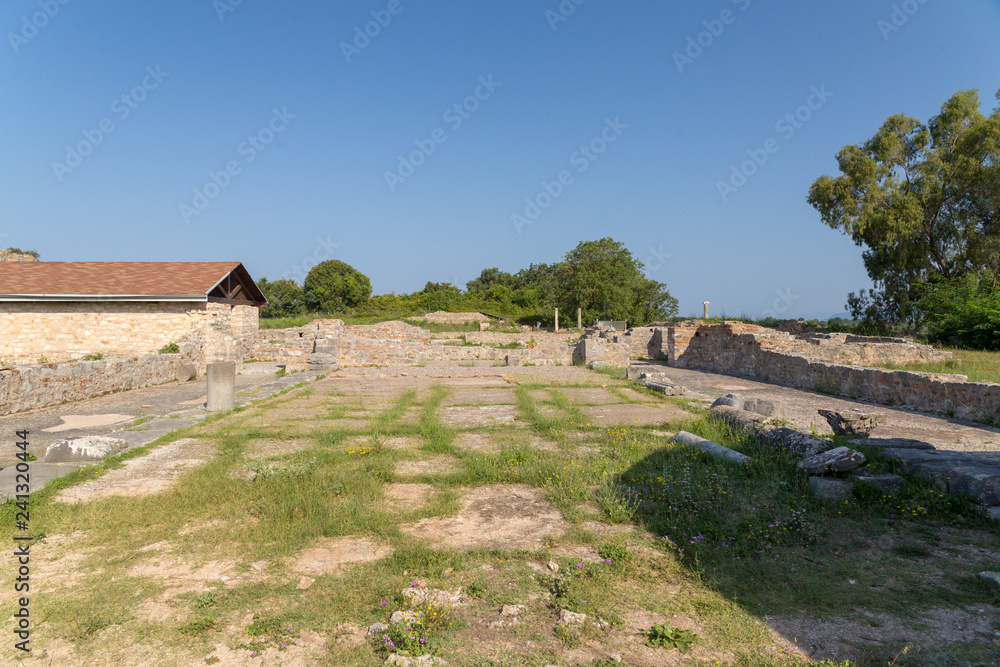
{"x":248,"y":131}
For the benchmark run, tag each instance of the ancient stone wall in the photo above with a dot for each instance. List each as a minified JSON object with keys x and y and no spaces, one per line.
{"x":37,"y":385}
{"x":497,"y":338}
{"x":391,"y":343}
{"x":748,"y":351}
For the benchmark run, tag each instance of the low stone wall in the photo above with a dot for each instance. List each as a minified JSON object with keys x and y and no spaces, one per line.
{"x":744,"y":350}
{"x":394,"y":343}
{"x":37,"y":385}
{"x":497,"y":338}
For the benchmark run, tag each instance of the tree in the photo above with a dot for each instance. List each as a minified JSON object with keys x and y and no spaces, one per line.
{"x":922,"y":200}
{"x":607,"y":282}
{"x":284,"y":298}
{"x":334,"y":286}
{"x":488,"y":279}
{"x":437,"y":296}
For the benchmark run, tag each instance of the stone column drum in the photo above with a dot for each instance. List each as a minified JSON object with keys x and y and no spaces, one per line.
{"x":221,"y":386}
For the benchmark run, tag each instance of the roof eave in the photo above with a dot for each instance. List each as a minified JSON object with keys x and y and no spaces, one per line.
{"x":105,"y":297}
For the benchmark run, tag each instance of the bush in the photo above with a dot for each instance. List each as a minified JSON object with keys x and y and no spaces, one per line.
{"x":284,"y":298}
{"x":962,"y":313}
{"x":171,"y":348}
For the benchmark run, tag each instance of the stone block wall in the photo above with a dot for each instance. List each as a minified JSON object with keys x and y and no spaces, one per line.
{"x":744,"y":350}
{"x":37,"y":385}
{"x":600,"y":349}
{"x":69,"y":330}
{"x":390,"y":343}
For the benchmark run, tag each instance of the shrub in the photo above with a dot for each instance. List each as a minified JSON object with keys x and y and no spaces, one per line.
{"x":170,"y":348}
{"x":962,"y":313}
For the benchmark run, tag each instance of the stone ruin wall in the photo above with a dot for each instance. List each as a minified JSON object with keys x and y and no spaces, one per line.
{"x":127,"y":334}
{"x":762,"y":354}
{"x":397,"y":343}
{"x":38,"y":385}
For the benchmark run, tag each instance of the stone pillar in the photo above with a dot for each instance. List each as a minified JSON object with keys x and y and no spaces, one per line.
{"x":579,"y":318}
{"x":221,"y":386}
{"x":705,"y":303}
{"x":557,"y":319}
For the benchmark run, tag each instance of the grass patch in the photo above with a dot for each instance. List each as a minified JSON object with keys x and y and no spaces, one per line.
{"x":979,"y":366}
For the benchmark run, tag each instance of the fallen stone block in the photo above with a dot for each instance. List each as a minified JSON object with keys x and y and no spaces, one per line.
{"x":841,"y":459}
{"x":852,"y":423}
{"x":763,"y":406}
{"x":185,"y":372}
{"x":738,"y":418}
{"x":886,"y":482}
{"x":826,"y":488}
{"x":730,"y":400}
{"x":666,"y":389}
{"x":636,"y":371}
{"x":991,"y":577}
{"x":710,"y":447}
{"x":981,"y":483}
{"x":87,"y":448}
{"x":797,"y":444}
{"x":893,"y":443}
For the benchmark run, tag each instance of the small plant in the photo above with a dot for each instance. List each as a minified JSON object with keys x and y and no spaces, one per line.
{"x":569,"y":638}
{"x":475,"y":590}
{"x":93,"y":357}
{"x":280,"y":373}
{"x":662,"y":635}
{"x":43,"y":360}
{"x":198,"y":626}
{"x":30,"y":457}
{"x":617,"y":554}
{"x":170,"y":348}
{"x":205,"y":600}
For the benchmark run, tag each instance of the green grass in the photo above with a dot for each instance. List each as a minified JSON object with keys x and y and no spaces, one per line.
{"x":352,"y":319}
{"x":743,"y":541}
{"x":979,"y":366}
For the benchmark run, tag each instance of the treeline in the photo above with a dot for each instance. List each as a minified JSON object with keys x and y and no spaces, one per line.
{"x":600,"y":277}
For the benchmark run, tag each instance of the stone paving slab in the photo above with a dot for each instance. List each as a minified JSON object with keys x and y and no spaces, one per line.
{"x":172,"y":407}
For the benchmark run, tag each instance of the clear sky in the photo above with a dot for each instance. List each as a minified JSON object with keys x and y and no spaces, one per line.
{"x":278,"y":133}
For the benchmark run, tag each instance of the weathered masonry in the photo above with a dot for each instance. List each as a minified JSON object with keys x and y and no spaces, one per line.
{"x":58,"y":311}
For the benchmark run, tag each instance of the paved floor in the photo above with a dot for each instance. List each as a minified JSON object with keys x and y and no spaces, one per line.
{"x":165,"y":408}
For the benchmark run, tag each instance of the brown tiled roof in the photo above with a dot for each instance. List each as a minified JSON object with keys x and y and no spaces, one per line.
{"x":117,"y":279}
